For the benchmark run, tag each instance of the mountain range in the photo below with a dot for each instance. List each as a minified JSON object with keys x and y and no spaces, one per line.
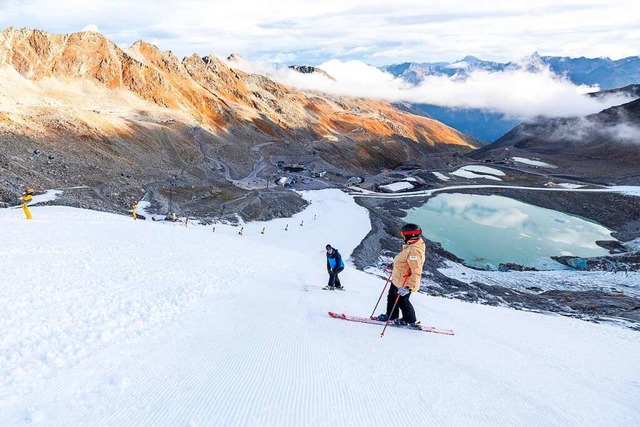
{"x":489,"y":125}
{"x":604,"y":72}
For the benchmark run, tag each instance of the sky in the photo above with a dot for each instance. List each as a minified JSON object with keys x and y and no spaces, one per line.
{"x":167,"y":325}
{"x":375,"y":32}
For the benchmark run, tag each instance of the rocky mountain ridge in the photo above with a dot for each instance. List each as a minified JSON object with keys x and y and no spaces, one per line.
{"x":76,"y":109}
{"x":309,"y":69}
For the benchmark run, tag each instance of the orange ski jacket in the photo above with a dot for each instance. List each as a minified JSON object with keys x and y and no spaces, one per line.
{"x":408,"y":265}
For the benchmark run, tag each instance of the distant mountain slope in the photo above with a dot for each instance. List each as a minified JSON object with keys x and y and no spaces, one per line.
{"x":486,"y":126}
{"x":605,"y":72}
{"x":633,"y":91}
{"x":604,"y":146}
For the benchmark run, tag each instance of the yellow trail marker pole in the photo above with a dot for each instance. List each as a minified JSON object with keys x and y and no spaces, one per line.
{"x":26,"y":198}
{"x":27,"y":213}
{"x":133,"y":212}
{"x":186,"y":222}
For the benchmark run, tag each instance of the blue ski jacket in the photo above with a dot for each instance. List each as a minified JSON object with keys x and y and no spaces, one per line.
{"x":334,"y":260}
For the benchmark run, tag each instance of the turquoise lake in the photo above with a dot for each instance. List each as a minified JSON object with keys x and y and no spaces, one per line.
{"x":488,"y":230}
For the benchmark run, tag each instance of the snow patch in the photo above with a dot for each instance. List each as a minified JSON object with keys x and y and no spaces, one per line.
{"x":532,"y":162}
{"x":626,"y":189}
{"x":567,"y":185}
{"x":48,"y":196}
{"x":633,"y":245}
{"x":629,"y":283}
{"x":441,"y":176}
{"x":483,"y":172}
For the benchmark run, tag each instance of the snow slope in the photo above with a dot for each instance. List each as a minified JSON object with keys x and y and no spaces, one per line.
{"x":110,"y":321}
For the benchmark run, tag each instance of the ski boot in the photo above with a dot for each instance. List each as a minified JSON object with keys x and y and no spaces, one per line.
{"x":328,"y":288}
{"x":415,"y":325}
{"x":382,"y":317}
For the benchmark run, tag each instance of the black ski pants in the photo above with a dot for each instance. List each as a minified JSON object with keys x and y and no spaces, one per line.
{"x":408,"y":313}
{"x":334,"y":280}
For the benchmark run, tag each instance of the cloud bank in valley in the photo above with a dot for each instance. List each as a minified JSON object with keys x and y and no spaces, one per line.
{"x":519,"y":93}
{"x":587,"y":129}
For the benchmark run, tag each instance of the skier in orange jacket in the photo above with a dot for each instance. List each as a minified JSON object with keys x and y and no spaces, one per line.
{"x":405,"y":278}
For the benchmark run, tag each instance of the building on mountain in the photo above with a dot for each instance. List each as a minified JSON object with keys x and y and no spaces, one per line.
{"x":283,"y":181}
{"x":396,"y":187}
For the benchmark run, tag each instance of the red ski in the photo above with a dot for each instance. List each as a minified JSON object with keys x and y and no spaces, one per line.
{"x":431,"y":329}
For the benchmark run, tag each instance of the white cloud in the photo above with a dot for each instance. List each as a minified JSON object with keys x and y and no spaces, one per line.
{"x":378,"y":32}
{"x":517,"y":93}
{"x":91,"y":27}
{"x":585,"y":128}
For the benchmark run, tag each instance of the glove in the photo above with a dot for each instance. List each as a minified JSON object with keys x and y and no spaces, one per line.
{"x":403,"y":291}
{"x":329,"y":270}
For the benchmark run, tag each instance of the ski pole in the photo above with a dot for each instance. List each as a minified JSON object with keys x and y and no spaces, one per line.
{"x":389,"y":321}
{"x":404,"y":282}
{"x":383,"y":289}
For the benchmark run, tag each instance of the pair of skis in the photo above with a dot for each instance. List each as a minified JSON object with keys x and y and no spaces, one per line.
{"x":309,"y":288}
{"x":431,"y":329}
{"x":373,"y":321}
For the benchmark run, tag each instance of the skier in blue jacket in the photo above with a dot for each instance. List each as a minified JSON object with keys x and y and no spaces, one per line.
{"x":334,"y":266}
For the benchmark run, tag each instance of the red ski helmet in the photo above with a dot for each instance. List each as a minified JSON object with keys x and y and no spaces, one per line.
{"x":410,"y":231}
